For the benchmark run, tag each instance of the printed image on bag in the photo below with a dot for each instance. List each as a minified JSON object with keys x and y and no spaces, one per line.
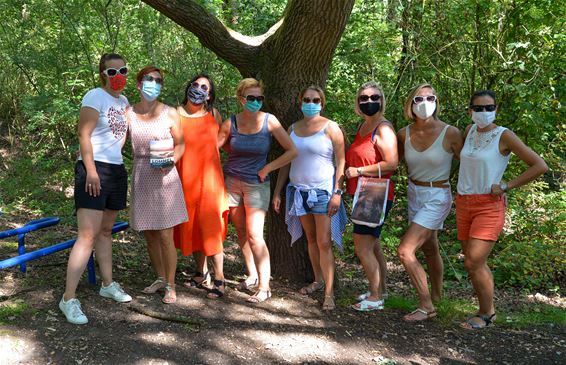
{"x":370,"y":201}
{"x":161,"y":153}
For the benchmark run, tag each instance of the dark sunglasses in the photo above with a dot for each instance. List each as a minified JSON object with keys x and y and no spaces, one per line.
{"x":159,"y":80}
{"x":313,"y":100}
{"x":252,"y":98}
{"x":364,"y":98}
{"x":480,"y":108}
{"x":196,"y":85}
{"x":420,"y":99}
{"x":111,"y":72}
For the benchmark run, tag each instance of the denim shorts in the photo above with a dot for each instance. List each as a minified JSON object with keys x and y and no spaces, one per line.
{"x":373,"y":231}
{"x":319,"y":207}
{"x":250,"y":194}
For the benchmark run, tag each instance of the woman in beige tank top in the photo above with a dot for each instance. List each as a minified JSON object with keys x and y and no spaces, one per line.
{"x":428,"y":146}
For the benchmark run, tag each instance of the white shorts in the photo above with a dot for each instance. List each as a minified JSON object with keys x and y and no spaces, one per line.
{"x":428,"y":207}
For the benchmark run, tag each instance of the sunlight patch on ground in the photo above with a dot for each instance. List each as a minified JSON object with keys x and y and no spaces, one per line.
{"x":158,"y":338}
{"x":15,"y":350}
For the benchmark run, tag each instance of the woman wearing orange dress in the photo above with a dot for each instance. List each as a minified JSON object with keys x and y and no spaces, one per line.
{"x":203,"y":185}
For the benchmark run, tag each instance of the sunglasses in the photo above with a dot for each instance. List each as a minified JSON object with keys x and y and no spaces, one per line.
{"x":111,"y":72}
{"x":420,"y":99}
{"x":196,"y":85}
{"x":252,"y":98}
{"x":365,"y":98}
{"x":480,"y":108}
{"x":159,"y":80}
{"x":313,"y":100}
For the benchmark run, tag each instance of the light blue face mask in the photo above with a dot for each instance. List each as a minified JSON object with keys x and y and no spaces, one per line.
{"x":311,"y":109}
{"x":253,"y":106}
{"x":150,"y":90}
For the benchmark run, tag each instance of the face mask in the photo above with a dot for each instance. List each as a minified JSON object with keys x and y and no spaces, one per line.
{"x":118,"y":82}
{"x":311,"y":109}
{"x":253,"y":106}
{"x":425,"y":109}
{"x":483,"y":119}
{"x":196,"y":95}
{"x":369,"y":109}
{"x":150,"y":90}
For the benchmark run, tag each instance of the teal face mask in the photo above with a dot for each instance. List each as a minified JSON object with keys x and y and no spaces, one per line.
{"x":311,"y":109}
{"x":253,"y":106}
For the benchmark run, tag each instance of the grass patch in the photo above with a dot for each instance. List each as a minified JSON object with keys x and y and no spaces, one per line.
{"x":12,"y":245}
{"x":399,"y":302}
{"x":534,"y":315}
{"x":8,"y":311}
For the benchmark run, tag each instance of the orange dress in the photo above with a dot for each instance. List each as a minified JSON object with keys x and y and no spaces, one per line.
{"x":203,"y":186}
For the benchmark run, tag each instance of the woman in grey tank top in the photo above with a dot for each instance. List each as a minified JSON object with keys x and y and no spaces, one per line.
{"x":248,"y":139}
{"x":428,"y":145}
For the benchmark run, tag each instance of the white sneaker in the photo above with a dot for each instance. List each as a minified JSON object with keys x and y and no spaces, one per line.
{"x":365,"y":295}
{"x":72,"y":310}
{"x":114,"y":291}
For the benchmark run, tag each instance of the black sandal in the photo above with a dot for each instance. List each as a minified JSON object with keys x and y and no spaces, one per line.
{"x":487,"y":320}
{"x":216,"y":291}
{"x":193,"y":283}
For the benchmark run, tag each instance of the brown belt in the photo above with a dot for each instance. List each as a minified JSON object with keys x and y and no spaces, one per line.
{"x":432,"y":184}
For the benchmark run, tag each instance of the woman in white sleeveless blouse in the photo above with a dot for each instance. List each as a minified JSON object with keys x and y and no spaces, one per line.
{"x":428,"y":146}
{"x":480,"y":204}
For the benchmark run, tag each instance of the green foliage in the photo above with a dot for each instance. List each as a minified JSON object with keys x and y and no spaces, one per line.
{"x":11,"y":310}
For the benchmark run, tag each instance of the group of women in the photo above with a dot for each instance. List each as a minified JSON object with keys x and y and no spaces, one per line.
{"x":184,"y":201}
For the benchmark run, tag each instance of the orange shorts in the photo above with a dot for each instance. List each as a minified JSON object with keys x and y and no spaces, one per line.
{"x":480,"y":216}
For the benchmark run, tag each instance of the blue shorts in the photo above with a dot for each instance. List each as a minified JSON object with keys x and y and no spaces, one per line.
{"x":373,"y":231}
{"x":320,"y":207}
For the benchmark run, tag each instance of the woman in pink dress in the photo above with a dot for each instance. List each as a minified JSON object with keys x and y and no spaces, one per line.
{"x":157,"y":194}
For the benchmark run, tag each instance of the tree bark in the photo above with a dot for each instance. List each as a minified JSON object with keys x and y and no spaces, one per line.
{"x":294,"y":53}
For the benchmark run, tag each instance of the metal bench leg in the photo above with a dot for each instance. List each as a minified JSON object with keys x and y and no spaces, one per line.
{"x":91,"y":271}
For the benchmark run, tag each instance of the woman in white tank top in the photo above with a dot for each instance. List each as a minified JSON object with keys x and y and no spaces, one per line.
{"x":428,"y":146}
{"x":313,"y":195}
{"x":480,"y":204}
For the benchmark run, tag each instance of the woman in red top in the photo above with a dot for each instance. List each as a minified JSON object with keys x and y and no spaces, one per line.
{"x":374,"y":150}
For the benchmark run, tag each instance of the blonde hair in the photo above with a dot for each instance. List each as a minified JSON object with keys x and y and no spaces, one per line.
{"x":371,"y":85}
{"x":246,"y":84}
{"x":316,"y":88}
{"x":408,"y":107}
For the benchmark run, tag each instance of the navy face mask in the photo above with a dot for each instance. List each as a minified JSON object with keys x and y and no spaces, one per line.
{"x":196,"y":95}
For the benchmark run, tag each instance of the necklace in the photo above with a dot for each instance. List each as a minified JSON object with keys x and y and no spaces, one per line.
{"x":480,"y":141}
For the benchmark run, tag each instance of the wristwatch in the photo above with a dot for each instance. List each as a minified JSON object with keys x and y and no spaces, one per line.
{"x":339,"y":192}
{"x":360,"y":171}
{"x":503,"y":186}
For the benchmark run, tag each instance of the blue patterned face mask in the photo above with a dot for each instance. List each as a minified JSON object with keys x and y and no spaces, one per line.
{"x":150,"y":90}
{"x":196,"y":95}
{"x":311,"y":109}
{"x":253,"y":106}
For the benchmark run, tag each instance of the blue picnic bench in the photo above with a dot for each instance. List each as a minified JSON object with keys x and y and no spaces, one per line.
{"x":35,"y":225}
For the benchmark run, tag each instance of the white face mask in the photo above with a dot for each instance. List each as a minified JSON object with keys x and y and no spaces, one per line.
{"x":483,"y":119}
{"x":425,"y":109}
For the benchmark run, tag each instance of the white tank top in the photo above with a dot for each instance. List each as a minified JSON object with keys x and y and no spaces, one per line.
{"x":432,"y":164}
{"x":314,"y":165}
{"x":481,"y":162}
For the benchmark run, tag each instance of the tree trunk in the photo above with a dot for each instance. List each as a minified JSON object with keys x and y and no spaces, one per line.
{"x":294,"y":53}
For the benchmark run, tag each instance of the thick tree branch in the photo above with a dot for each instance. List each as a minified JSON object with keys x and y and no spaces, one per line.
{"x":235,"y":48}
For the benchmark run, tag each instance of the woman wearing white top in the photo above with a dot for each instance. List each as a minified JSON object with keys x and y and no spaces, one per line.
{"x":314,"y":194}
{"x":428,"y":146}
{"x":480,"y":204}
{"x":101,"y":183}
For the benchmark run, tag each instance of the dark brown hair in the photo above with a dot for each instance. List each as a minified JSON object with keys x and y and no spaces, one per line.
{"x":102,"y":64}
{"x":147,"y":70}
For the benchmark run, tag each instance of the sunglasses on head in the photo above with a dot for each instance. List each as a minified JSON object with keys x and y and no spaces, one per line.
{"x":252,"y":98}
{"x":111,"y":72}
{"x":364,"y":98}
{"x":196,"y":85}
{"x":481,"y":108}
{"x":159,"y":80}
{"x":307,"y":100}
{"x":420,"y":99}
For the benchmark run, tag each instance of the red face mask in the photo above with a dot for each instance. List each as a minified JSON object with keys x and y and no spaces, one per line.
{"x":118,"y":82}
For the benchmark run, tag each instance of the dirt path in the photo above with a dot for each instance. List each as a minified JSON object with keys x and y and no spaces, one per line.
{"x":289,"y":328}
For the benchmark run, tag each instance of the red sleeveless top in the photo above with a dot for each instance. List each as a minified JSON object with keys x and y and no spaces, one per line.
{"x":363,"y":152}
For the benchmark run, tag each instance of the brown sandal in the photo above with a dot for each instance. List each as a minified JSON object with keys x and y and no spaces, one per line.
{"x":259,"y":296}
{"x":328,"y":304}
